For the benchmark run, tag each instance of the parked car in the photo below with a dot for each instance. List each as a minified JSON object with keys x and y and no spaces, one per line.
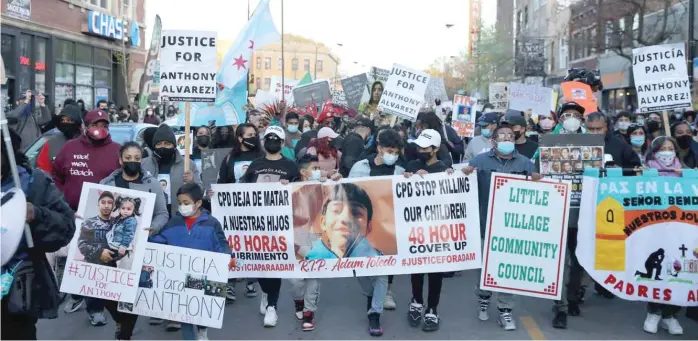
{"x":120,"y":133}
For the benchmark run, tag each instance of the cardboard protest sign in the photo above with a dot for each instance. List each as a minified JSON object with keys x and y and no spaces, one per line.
{"x":661,"y":77}
{"x":356,"y":90}
{"x":181,"y":284}
{"x":565,"y":156}
{"x":338,"y":97}
{"x":463,"y":119}
{"x":435,"y":89}
{"x":499,"y":96}
{"x":525,"y":237}
{"x":312,"y":94}
{"x":378,"y":75}
{"x":404,"y":92}
{"x":288,"y":85}
{"x":110,"y":221}
{"x":536,"y":99}
{"x":638,"y":235}
{"x":188,"y":66}
{"x":581,"y":94}
{"x":211,"y":161}
{"x":401,"y":226}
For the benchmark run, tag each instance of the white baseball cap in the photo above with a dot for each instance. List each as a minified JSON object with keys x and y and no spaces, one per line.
{"x":428,"y":138}
{"x":327,"y":132}
{"x":276,"y":130}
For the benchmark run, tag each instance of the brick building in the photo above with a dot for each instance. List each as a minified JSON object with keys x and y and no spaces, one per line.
{"x":73,"y":49}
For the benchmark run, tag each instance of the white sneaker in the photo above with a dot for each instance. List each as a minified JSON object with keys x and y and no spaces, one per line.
{"x":270,"y":317}
{"x":201,"y":333}
{"x":389,"y":301}
{"x":263,"y":304}
{"x":73,"y":305}
{"x":672,"y":326}
{"x":482,"y":313}
{"x":651,"y":323}
{"x":506,"y":320}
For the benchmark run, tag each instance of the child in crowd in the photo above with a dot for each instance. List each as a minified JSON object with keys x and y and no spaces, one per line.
{"x":120,"y":237}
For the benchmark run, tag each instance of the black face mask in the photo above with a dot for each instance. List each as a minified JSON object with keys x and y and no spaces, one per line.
{"x":251,"y":142}
{"x":131,"y":168}
{"x":165,"y":154}
{"x":272,"y":146}
{"x":684,"y":141}
{"x":517,"y":135}
{"x":69,"y":130}
{"x":424,"y":156}
{"x":203,"y":140}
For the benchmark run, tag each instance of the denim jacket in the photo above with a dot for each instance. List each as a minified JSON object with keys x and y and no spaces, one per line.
{"x":123,"y":233}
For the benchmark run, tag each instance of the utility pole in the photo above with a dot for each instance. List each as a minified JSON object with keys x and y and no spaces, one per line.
{"x":691,"y":44}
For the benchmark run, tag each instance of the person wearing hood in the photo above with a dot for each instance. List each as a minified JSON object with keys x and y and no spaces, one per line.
{"x":32,"y":291}
{"x":81,"y":104}
{"x":131,"y":176}
{"x":70,"y":126}
{"x":167,"y":160}
{"x":88,"y":158}
{"x":27,"y":120}
{"x":148,"y":147}
{"x":453,"y":142}
{"x":150,"y":117}
{"x":482,"y":143}
{"x":688,"y":148}
{"x":354,"y":144}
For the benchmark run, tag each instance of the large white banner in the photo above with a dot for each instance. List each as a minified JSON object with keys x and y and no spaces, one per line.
{"x":404,"y":92}
{"x":105,"y":255}
{"x":188,"y":66}
{"x":181,"y":284}
{"x":526,"y":236}
{"x":355,"y":227}
{"x":661,"y":77}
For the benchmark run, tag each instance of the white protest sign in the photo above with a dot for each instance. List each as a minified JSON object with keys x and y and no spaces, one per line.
{"x":661,"y":77}
{"x":525,"y":236}
{"x":378,"y":75}
{"x":288,"y":84}
{"x":523,"y":97}
{"x":404,"y":92}
{"x":181,"y":284}
{"x":188,"y":66}
{"x":262,"y":98}
{"x":498,"y":96}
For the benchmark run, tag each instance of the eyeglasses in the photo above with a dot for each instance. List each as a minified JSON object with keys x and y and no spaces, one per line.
{"x":502,"y":136}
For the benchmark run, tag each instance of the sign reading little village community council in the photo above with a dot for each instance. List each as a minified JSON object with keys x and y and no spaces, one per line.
{"x":356,"y":227}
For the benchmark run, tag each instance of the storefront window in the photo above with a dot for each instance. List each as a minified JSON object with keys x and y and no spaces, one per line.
{"x":8,"y":47}
{"x":102,"y":57}
{"x":83,"y":54}
{"x":25,"y":62}
{"x":89,"y":80}
{"x":85,"y":93}
{"x":83,"y":75}
{"x":40,"y":64}
{"x":63,"y":92}
{"x":102,"y":78}
{"x":65,"y":51}
{"x":65,"y":73}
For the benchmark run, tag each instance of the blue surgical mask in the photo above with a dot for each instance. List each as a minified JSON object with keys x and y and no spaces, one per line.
{"x":505,"y":147}
{"x":637,"y":141}
{"x":640,"y":121}
{"x":316,"y":175}
{"x":389,"y":159}
{"x":292,"y":128}
{"x":486,"y":132}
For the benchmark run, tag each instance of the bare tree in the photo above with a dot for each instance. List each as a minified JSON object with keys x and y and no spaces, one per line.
{"x":122,"y":58}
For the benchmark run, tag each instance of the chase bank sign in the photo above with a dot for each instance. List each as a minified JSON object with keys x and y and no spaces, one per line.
{"x":111,"y":27}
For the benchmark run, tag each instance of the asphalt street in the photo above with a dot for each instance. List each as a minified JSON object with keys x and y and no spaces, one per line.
{"x":341,"y":315}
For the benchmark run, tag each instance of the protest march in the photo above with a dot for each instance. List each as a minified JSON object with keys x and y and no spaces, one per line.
{"x":529,"y":207}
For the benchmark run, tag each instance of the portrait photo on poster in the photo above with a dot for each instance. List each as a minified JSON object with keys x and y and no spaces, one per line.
{"x":344,"y":220}
{"x":110,"y":221}
{"x":164,"y":180}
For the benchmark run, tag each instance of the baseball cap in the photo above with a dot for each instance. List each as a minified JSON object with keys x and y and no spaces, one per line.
{"x":515,"y":118}
{"x":363,"y":122}
{"x":428,"y":138}
{"x":93,"y":116}
{"x":276,"y":130}
{"x":487,"y":119}
{"x":326,"y":132}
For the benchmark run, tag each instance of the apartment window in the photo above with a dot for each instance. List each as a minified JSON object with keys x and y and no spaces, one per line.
{"x":126,"y":8}
{"x":318,"y":64}
{"x":100,"y":3}
{"x":551,"y":65}
{"x":578,"y":44}
{"x":259,"y":63}
{"x":257,"y":83}
{"x":294,"y":64}
{"x":267,"y":63}
{"x":591,"y":41}
{"x":267,"y":83}
{"x":81,"y":72}
{"x":519,"y":21}
{"x":525,"y":16}
{"x":280,"y":64}
{"x":564,"y":53}
{"x":306,"y":65}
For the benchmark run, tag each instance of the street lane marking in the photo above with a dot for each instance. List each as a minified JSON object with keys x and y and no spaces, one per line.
{"x":532,"y":328}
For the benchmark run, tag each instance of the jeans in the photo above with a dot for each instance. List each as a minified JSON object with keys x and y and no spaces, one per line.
{"x":271,"y":287}
{"x":375,"y":287}
{"x":666,"y":310}
{"x":190,"y":331}
{"x":434,"y":291}
{"x":307,"y":290}
{"x":573,"y":274}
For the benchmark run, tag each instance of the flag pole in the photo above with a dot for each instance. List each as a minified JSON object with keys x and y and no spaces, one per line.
{"x":283,"y":61}
{"x":247,"y":86}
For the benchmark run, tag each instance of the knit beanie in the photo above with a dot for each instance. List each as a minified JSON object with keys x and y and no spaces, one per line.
{"x":164,"y":133}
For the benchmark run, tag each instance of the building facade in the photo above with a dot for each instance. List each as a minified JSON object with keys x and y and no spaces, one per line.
{"x":504,"y":28}
{"x":80,"y":49}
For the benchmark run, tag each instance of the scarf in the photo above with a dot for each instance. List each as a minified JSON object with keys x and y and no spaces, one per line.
{"x":665,"y":170}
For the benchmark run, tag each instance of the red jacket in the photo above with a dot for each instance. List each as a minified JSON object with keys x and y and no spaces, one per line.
{"x":82,"y":161}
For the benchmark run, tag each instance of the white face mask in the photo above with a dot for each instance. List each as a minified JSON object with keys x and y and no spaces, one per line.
{"x":623,"y":125}
{"x":316,"y":175}
{"x":665,"y":158}
{"x":572,"y":124}
{"x":186,"y":210}
{"x":389,"y":159}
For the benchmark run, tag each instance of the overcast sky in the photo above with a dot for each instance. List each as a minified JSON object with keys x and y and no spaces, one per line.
{"x":372,"y":32}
